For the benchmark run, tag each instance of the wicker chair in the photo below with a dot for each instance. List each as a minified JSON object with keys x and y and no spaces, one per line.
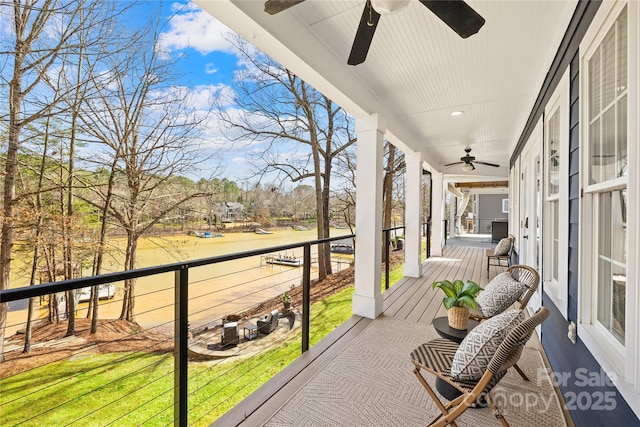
{"x":499,"y":260}
{"x":530,"y":277}
{"x":436,"y":357}
{"x":522,"y":273}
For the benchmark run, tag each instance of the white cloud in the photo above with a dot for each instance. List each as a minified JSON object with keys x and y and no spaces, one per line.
{"x":210,"y":68}
{"x":191,"y":27}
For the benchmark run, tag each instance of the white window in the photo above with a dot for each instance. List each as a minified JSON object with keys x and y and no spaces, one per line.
{"x":607,"y":91}
{"x":608,"y":105}
{"x":609,"y":298}
{"x":612,"y":261}
{"x":556,"y":212}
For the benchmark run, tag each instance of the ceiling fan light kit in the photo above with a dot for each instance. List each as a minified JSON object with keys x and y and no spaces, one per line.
{"x":468,"y":162}
{"x":389,"y":7}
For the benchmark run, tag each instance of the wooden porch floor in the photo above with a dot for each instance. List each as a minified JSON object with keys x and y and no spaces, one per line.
{"x":410,"y":298}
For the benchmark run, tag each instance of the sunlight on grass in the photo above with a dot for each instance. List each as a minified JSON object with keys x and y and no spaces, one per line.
{"x":137,"y":388}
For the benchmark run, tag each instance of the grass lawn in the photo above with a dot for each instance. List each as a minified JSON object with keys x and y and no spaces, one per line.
{"x":125,"y":389}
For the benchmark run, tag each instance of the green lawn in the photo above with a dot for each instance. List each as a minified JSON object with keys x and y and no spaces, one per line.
{"x":137,"y":388}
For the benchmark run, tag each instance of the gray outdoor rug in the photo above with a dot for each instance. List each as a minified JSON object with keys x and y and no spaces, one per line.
{"x":371,"y":383}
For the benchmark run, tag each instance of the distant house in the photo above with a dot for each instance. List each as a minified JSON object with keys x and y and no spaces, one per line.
{"x":233,"y":212}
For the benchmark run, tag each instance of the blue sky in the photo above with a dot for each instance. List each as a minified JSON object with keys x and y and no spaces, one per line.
{"x":208,"y":63}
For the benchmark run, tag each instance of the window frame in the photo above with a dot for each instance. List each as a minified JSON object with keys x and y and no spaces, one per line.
{"x":558,"y":103}
{"x":607,"y":350}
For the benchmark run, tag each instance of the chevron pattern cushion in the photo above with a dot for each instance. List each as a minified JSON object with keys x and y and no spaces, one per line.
{"x":503,"y":247}
{"x":499,"y":294}
{"x":478,"y":347}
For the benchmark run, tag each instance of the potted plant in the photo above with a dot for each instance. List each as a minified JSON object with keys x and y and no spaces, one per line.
{"x":459,"y":298}
{"x":286,"y":301}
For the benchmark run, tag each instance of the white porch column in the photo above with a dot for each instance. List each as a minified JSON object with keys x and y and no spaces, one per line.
{"x":437,"y":217}
{"x":413,"y":215}
{"x":452,"y":216}
{"x":367,"y":297}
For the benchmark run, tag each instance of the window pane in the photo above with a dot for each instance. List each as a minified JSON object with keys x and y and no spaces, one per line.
{"x":621,"y":166}
{"x":622,"y":52}
{"x":608,"y":146}
{"x":594,"y":85}
{"x":612,"y":262}
{"x":554,"y":153}
{"x":608,"y":105}
{"x":594,"y":148}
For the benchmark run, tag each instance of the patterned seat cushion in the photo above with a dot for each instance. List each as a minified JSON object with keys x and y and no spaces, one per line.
{"x":499,"y":294}
{"x":478,"y":347}
{"x":503,"y":247}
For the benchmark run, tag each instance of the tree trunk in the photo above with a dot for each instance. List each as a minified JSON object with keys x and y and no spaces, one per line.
{"x":128,"y":302}
{"x":10,"y":170}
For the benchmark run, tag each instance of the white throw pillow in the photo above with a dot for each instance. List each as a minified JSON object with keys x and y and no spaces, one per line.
{"x":503,"y":247}
{"x":478,"y":347}
{"x":499,"y":294}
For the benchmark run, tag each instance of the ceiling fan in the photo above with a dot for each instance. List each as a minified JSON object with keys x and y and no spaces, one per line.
{"x":457,"y":14}
{"x":468,"y":161}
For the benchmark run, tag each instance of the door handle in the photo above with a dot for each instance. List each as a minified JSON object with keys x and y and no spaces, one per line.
{"x":525,"y":237}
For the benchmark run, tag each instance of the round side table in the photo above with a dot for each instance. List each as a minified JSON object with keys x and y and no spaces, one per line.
{"x":441,"y":325}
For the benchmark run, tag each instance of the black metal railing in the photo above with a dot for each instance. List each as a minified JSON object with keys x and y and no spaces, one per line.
{"x":181,"y":287}
{"x":182,"y":283}
{"x":399,"y":241}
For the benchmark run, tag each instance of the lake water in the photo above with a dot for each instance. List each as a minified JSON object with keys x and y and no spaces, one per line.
{"x":214,"y":291}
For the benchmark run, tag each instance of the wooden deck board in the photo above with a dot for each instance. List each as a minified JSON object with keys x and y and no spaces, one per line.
{"x":410,"y":299}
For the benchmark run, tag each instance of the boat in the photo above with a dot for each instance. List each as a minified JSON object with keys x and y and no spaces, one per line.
{"x":262,"y":231}
{"x":342,"y":248}
{"x":289,"y":260}
{"x":106,"y":291}
{"x":208,"y":235}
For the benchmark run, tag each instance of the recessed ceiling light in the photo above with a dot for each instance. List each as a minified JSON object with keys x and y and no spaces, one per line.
{"x":457,"y":113}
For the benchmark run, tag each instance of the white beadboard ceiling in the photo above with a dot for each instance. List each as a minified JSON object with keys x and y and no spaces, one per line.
{"x":418,"y":70}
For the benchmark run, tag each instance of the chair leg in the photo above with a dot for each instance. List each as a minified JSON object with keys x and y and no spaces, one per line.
{"x":496,"y":411}
{"x":522,"y":374}
{"x":433,"y":395}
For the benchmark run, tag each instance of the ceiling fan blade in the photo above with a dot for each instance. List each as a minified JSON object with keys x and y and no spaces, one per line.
{"x":458,"y":15}
{"x":488,"y":164}
{"x":453,"y":164}
{"x":276,"y":6}
{"x":364,"y":35}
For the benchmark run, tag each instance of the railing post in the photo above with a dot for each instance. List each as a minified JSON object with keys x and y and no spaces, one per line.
{"x":306,"y":296}
{"x":180,"y":353}
{"x":386,"y":257}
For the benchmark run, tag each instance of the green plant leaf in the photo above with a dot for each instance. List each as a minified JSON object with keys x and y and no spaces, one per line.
{"x":467,"y":300}
{"x":447,"y":287}
{"x":449,"y":302}
{"x":471,"y":288}
{"x":458,"y":285}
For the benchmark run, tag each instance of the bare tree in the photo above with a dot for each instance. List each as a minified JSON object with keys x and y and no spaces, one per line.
{"x":394,"y":165}
{"x":303,"y":131}
{"x":42,"y":31}
{"x":146,"y":131}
